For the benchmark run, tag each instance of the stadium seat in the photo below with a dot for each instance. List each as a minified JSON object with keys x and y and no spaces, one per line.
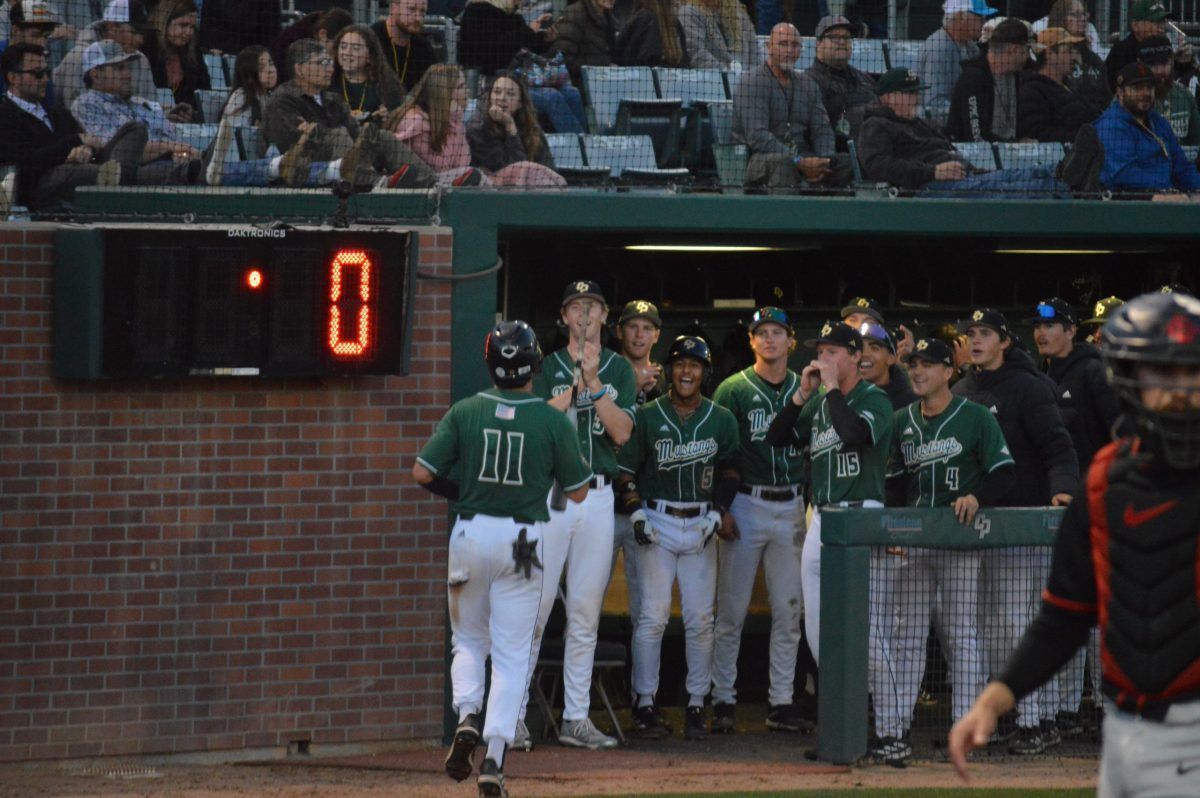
{"x":442,"y":33}
{"x":250,"y":143}
{"x":212,"y":103}
{"x":606,"y":87}
{"x":216,"y":71}
{"x":1022,"y":155}
{"x":229,"y":59}
{"x":630,"y":158}
{"x":902,"y":53}
{"x":199,"y":136}
{"x":981,"y":154}
{"x":569,"y":162}
{"x":869,"y":56}
{"x":731,"y":166}
{"x":164,"y":97}
{"x":699,"y":89}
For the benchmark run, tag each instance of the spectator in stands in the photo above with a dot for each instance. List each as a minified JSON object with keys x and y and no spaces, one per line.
{"x":846,"y":91}
{"x":653,"y":37}
{"x":33,"y":22}
{"x":779,"y":116}
{"x":405,"y":50}
{"x":53,"y":156}
{"x":174,"y":56}
{"x":321,"y":26}
{"x":491,"y":36}
{"x":1046,"y":109}
{"x":431,"y":124}
{"x":939,"y":63}
{"x":586,"y":35}
{"x":719,"y":35}
{"x":123,"y":22}
{"x":254,"y":78}
{"x":898,"y":148}
{"x":230,"y":26}
{"x":1140,"y":149}
{"x":983,"y":105}
{"x":1088,"y":78}
{"x":108,"y":105}
{"x":361,"y":74}
{"x":505,"y":139}
{"x":1174,"y":102}
{"x":1146,"y":18}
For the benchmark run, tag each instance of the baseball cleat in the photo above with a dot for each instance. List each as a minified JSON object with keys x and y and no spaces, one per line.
{"x":723,"y":718}
{"x":491,"y":780}
{"x":1027,"y":742}
{"x":584,"y":734}
{"x":649,"y":723}
{"x":1050,"y":734}
{"x":1070,"y":724}
{"x":522,"y":741}
{"x":788,"y":718}
{"x":894,"y":751}
{"x":461,"y":759}
{"x":695,"y":724}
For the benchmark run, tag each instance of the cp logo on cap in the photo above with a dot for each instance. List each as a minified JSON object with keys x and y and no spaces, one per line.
{"x":922,"y":346}
{"x":581,"y":286}
{"x":977,"y":315}
{"x":1099,"y":310}
{"x":689,"y":344}
{"x":826,"y":330}
{"x":642,"y":307}
{"x":862,"y":303}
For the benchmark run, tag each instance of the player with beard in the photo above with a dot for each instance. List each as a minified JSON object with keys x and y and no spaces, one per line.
{"x":1174,"y":102}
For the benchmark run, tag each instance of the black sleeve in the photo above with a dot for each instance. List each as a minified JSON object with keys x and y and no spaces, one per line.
{"x":1104,"y":401}
{"x":895,"y":490}
{"x":782,"y":431}
{"x":852,"y":428}
{"x":1044,"y":425}
{"x":440,"y":486}
{"x":996,"y":485}
{"x":725,"y":490}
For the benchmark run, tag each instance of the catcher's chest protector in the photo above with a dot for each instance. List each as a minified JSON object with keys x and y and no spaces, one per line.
{"x":1144,"y":541}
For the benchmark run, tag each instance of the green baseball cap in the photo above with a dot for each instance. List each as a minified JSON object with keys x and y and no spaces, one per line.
{"x":900,"y":79}
{"x":1149,"y":11}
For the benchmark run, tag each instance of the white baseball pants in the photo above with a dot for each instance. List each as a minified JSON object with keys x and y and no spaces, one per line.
{"x":1147,"y":759}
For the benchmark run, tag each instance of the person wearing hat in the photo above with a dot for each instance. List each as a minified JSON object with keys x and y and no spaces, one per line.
{"x":880,"y":364}
{"x":983,"y":105}
{"x":1146,"y":18}
{"x":862,"y":309}
{"x":1141,"y":152}
{"x":949,"y":452}
{"x":845,"y":91}
{"x":897,"y":147}
{"x":1100,"y":314}
{"x":1005,"y":380}
{"x":1176,"y":104}
{"x":107,"y":106}
{"x":124,"y":22}
{"x":1046,"y":109}
{"x":769,"y":512}
{"x":779,"y":116}
{"x":939,"y":62}
{"x":1089,"y":78}
{"x":32,"y":22}
{"x":604,"y":389}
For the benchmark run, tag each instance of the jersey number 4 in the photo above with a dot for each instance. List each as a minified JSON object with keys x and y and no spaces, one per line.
{"x":503,"y":457}
{"x":952,"y":478}
{"x":847,"y":464}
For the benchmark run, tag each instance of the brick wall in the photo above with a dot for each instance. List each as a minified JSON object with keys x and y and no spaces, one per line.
{"x":218,"y":564}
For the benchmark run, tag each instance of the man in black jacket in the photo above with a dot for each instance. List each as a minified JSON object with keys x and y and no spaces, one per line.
{"x":983,"y":106}
{"x":405,"y":50}
{"x":846,"y":91}
{"x":1146,"y":18}
{"x":1005,"y":380}
{"x":53,"y":156}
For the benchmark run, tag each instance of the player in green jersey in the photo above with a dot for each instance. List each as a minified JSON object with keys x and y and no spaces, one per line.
{"x":678,"y":478}
{"x":949,"y":452}
{"x":508,"y":446}
{"x":769,"y":512}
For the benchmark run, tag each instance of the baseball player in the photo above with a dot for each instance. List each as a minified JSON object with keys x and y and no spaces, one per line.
{"x":949,"y":453}
{"x":769,"y":512}
{"x":847,"y":424}
{"x":603,"y":388}
{"x":879,"y":364}
{"x":678,"y":479}
{"x":862,"y":309}
{"x":1005,"y":380}
{"x":1126,"y":560}
{"x":1100,"y":313}
{"x":508,"y":446}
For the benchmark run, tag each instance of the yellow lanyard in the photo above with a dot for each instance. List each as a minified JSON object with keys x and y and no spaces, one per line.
{"x":396,"y":60}
{"x":362,"y":99}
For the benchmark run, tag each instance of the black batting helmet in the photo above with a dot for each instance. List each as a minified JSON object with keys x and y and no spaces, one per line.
{"x":692,"y":346}
{"x":512,"y":354}
{"x":1161,"y":330}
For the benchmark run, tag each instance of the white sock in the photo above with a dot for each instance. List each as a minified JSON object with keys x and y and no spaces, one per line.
{"x":334,"y":171}
{"x":645,"y":701}
{"x":467,"y":709}
{"x":273,"y":167}
{"x":495,"y":751}
{"x":695,"y":701}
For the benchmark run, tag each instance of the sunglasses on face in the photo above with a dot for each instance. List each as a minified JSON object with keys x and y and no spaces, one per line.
{"x":37,"y":73}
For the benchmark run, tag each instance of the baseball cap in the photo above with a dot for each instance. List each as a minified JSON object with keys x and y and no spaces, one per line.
{"x":32,"y":12}
{"x":770,"y":315}
{"x":1052,"y":37}
{"x":1174,"y":288}
{"x":833,"y":22}
{"x":1010,"y":31}
{"x":640,"y":309}
{"x":1135,"y":73}
{"x":877,"y":332}
{"x":577,"y":289}
{"x":839,"y":335}
{"x":1103,"y":309}
{"x":864,"y":304}
{"x":988,"y":317}
{"x":103,"y":53}
{"x":1148,"y":11}
{"x":1052,"y":310}
{"x":899,"y":79}
{"x":979,"y":7}
{"x":1155,"y":50}
{"x":932,"y":350}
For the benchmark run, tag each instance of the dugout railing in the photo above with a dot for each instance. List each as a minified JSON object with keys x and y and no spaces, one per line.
{"x":848,"y":535}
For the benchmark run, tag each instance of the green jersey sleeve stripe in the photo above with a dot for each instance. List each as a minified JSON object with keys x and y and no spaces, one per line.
{"x":628,"y":470}
{"x":1009,"y":461}
{"x":579,"y":484}
{"x":428,"y":465}
{"x":631,"y":412}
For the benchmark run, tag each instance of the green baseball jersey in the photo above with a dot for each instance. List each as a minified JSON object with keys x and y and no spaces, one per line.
{"x":842,"y":473}
{"x":510,"y":446}
{"x":674,"y":460}
{"x":754,"y":404}
{"x":556,"y":377}
{"x":946,"y":456}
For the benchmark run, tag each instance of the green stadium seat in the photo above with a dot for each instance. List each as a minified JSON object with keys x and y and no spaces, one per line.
{"x":216,"y":71}
{"x":869,"y":56}
{"x":631,"y":159}
{"x":1023,"y":155}
{"x":212,"y":103}
{"x":731,"y":166}
{"x":981,"y":154}
{"x":569,"y":161}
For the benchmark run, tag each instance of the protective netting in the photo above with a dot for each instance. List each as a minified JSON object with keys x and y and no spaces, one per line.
{"x":910,"y":98}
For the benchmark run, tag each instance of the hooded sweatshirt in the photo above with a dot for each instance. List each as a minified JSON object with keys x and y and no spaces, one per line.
{"x":1086,"y":400}
{"x":1023,"y":401}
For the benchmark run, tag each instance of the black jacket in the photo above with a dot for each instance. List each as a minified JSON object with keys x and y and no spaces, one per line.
{"x":901,"y":152}
{"x":899,"y":390}
{"x":1046,"y":111}
{"x":488,"y":38}
{"x":1024,"y":402}
{"x":972,"y":103}
{"x":33,"y":147}
{"x":586,"y":36}
{"x":846,"y":93}
{"x":1122,"y":53}
{"x":195,"y":74}
{"x":1086,"y":400}
{"x":493,"y":152}
{"x":1089,"y":79}
{"x":408,"y":66}
{"x":640,"y":43}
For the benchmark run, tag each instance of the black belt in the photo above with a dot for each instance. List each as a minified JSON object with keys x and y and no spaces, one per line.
{"x":599,"y":481}
{"x":680,"y":512}
{"x":516,"y":519}
{"x":769,"y":494}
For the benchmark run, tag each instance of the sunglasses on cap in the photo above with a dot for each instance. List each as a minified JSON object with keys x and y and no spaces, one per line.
{"x":775,"y":315}
{"x":870,"y":329}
